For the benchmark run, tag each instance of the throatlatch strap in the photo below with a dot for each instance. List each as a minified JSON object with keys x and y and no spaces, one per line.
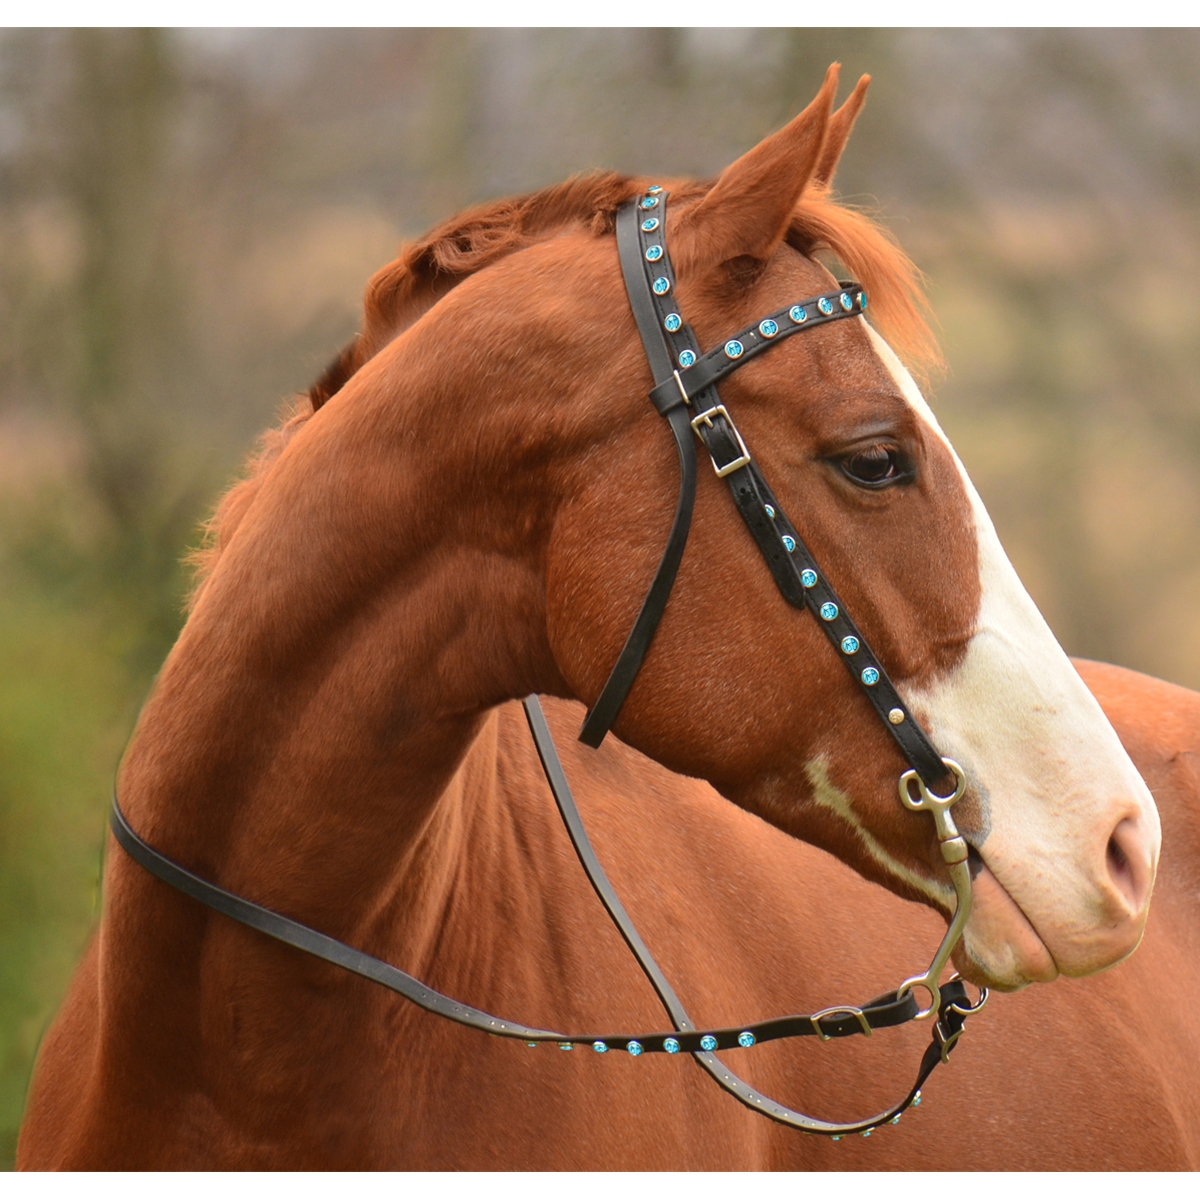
{"x":604,"y":712}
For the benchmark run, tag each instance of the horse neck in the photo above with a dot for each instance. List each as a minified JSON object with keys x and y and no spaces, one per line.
{"x":304,"y":741}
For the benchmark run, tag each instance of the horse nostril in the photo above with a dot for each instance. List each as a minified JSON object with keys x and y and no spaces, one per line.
{"x":1127,"y":867}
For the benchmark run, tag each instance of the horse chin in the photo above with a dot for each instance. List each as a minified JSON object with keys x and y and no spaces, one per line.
{"x":1000,"y":948}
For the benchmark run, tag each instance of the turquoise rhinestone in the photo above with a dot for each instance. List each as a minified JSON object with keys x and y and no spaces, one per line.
{"x":672,"y":322}
{"x":825,"y":305}
{"x":849,"y":645}
{"x":768,"y":328}
{"x":650,"y":202}
{"x":862,"y":301}
{"x":671,"y":1046}
{"x":798,"y":314}
{"x":847,"y":305}
{"x":733,"y":349}
{"x":565,"y":1046}
{"x":829,"y":611}
{"x":866,"y":1133}
{"x":916,"y":1100}
{"x":650,"y":224}
{"x":789,"y":543}
{"x":708,"y":1042}
{"x":769,"y":511}
{"x":653,"y":253}
{"x":600,"y":1047}
{"x":661,"y":286}
{"x":654,"y":190}
{"x":746,"y":1039}
{"x":895,"y":1120}
{"x":532,"y":1045}
{"x":808,"y":578}
{"x":687,"y":357}
{"x":870,"y":677}
{"x":634,"y":1048}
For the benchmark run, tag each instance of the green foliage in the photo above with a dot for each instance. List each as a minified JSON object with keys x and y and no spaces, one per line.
{"x":66,"y":705}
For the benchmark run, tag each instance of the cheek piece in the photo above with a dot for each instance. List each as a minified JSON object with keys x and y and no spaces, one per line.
{"x":685,"y":394}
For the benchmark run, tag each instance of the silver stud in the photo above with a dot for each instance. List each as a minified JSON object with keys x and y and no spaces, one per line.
{"x":708,"y":1042}
{"x":671,"y":1046}
{"x":850,"y":645}
{"x":829,"y":611}
{"x":653,"y":253}
{"x":600,"y":1047}
{"x":672,"y":322}
{"x":789,"y":543}
{"x":746,"y":1039}
{"x":769,"y":511}
{"x":687,"y":358}
{"x":634,"y":1048}
{"x":896,"y":716}
{"x":661,"y":286}
{"x":798,"y":314}
{"x":870,"y":676}
{"x":808,"y":578}
{"x":733,"y":349}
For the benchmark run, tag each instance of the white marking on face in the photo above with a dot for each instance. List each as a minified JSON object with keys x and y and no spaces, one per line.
{"x":829,"y":796}
{"x":1038,"y":750}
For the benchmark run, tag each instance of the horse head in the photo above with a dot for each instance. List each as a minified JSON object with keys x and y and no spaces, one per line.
{"x":744,"y":691}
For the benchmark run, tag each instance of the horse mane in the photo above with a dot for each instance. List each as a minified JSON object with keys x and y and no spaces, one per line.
{"x":426,"y":269}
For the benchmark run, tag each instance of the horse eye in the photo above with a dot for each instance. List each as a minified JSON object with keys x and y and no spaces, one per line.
{"x":876,"y":466}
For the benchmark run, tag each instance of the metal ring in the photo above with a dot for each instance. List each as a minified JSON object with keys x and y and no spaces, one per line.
{"x":931,"y":800}
{"x":970,"y":1008}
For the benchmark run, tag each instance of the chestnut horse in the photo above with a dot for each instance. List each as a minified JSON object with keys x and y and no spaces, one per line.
{"x":469,"y":510}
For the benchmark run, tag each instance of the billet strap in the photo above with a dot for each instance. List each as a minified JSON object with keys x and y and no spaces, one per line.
{"x":883,"y":1012}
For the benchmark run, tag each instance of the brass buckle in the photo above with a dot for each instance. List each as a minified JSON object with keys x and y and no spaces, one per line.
{"x":706,"y":417}
{"x":840,"y":1010}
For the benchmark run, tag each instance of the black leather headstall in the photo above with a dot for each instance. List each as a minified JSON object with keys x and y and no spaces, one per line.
{"x":685,"y":394}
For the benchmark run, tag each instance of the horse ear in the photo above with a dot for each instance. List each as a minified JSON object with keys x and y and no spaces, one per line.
{"x":840,"y":125}
{"x":749,"y":208}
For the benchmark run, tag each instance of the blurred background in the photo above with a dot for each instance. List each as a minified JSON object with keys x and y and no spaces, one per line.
{"x":187,"y":220}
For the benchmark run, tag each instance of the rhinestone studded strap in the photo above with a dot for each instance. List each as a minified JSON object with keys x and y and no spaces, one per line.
{"x":693,"y":386}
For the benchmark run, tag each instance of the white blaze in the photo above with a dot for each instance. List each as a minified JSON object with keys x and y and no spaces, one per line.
{"x":1048,"y":769}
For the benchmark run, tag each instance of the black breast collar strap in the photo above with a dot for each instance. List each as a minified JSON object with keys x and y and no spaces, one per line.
{"x":685,"y":380}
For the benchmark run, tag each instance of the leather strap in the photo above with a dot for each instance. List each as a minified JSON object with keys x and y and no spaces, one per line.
{"x":641,"y":297}
{"x":685,"y":381}
{"x":882,"y":1012}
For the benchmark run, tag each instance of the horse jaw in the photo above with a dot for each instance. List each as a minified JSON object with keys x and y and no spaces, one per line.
{"x":1066,"y":828}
